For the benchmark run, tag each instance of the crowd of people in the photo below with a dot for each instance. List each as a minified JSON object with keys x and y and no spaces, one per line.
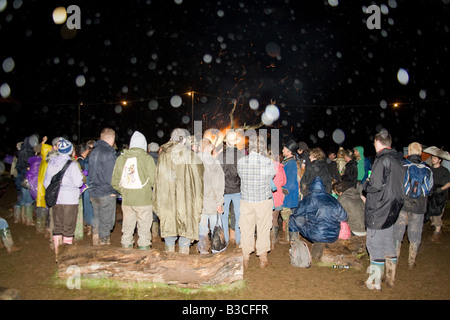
{"x":180,"y":190}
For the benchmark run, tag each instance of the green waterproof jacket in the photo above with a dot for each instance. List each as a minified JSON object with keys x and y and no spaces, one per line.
{"x":146,"y":170}
{"x":178,"y":191}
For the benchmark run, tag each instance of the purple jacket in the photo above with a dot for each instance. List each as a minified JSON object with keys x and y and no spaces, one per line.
{"x":71,"y":182}
{"x":32,"y":174}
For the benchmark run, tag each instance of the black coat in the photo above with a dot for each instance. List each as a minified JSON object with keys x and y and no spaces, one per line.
{"x":317,"y":168}
{"x":385,"y":192}
{"x":229,"y":159}
{"x":350,"y":176}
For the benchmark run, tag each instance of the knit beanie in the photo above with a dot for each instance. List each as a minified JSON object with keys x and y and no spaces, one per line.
{"x":65,"y":147}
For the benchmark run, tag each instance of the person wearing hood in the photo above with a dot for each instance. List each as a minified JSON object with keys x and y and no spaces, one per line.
{"x":25,"y":200}
{"x":133,"y":177}
{"x":66,"y":209}
{"x":318,"y":168}
{"x":318,"y":216}
{"x":364,"y":166}
{"x":178,"y":192}
{"x":384,"y":200}
{"x":41,"y":206}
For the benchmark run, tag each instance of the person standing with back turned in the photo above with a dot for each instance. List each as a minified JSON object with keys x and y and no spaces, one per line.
{"x":103,"y":196}
{"x":383,"y":204}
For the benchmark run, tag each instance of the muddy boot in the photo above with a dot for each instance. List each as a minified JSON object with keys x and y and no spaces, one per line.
{"x":203,"y":245}
{"x":155,"y":232}
{"x":391,"y":266}
{"x":68,"y":240}
{"x":88,"y":230}
{"x":29,"y":216}
{"x":40,"y":222}
{"x":144,"y":247}
{"x":170,"y":248}
{"x":375,"y":271}
{"x":317,"y":251}
{"x":263,"y":262}
{"x":57,"y":241}
{"x":17,"y":210}
{"x":23,"y":218}
{"x":273,"y":237}
{"x":413,"y":250}
{"x":7,"y":240}
{"x":95,"y":237}
{"x":183,"y":250}
{"x":398,"y":246}
{"x":232,"y":236}
{"x":435,"y":237}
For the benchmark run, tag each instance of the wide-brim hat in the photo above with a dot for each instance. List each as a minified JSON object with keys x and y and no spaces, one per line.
{"x":435,"y":151}
{"x":291,"y":145}
{"x":232,"y":137}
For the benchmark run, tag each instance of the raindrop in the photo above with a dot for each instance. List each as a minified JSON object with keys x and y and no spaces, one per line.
{"x":153,"y":105}
{"x":402,"y":76}
{"x":8,"y":64}
{"x":338,"y":136}
{"x":3,"y":4}
{"x":178,"y":1}
{"x":2,"y":119}
{"x":220,"y":13}
{"x":423,"y":94}
{"x":207,"y":58}
{"x":185,"y":119}
{"x":254,"y":104}
{"x":265,"y":119}
{"x":333,"y":3}
{"x":272,"y":112}
{"x":80,"y":80}
{"x":273,"y":49}
{"x":160,"y":133}
{"x":383,"y":104}
{"x":59,"y":15}
{"x":5,"y":90}
{"x":176,"y":101}
{"x":321,"y":134}
{"x":118,"y":109}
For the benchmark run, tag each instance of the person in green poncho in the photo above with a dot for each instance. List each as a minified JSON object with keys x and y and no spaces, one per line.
{"x":364,"y":166}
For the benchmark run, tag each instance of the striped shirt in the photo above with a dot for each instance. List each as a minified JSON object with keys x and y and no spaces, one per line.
{"x":255,"y":171}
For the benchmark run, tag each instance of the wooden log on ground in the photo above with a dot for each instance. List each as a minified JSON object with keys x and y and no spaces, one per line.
{"x":344,"y":252}
{"x":189,"y":271}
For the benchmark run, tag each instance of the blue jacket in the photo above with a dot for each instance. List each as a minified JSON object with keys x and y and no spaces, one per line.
{"x":290,"y":169}
{"x":319,"y":215}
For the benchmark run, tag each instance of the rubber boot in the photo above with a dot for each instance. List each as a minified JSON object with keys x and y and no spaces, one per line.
{"x":155,"y":232}
{"x":170,"y":248}
{"x":375,"y":271}
{"x":29,"y":216}
{"x":263,"y":262}
{"x":95,"y":237}
{"x":183,"y":250}
{"x":273,"y":237}
{"x":57,"y":241}
{"x":232,"y":237}
{"x":246,"y":258}
{"x":7,"y":240}
{"x":293,"y":237}
{"x":40,"y":222}
{"x":203,"y":245}
{"x":23,"y":218}
{"x":391,"y":266}
{"x":398,"y":246}
{"x":68,"y":240}
{"x":413,"y":250}
{"x":144,"y":247}
{"x":17,"y":210}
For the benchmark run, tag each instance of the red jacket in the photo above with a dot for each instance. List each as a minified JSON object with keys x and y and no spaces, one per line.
{"x":279,"y":180}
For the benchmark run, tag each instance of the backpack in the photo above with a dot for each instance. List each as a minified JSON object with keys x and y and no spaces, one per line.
{"x":52,"y":191}
{"x":130,"y":175}
{"x":300,"y":255}
{"x":418,"y":180}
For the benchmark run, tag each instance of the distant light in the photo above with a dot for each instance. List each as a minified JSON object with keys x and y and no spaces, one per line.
{"x":395,"y":105}
{"x":59,"y":15}
{"x":124,"y":103}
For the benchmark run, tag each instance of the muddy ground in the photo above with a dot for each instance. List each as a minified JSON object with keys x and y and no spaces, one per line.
{"x":32,"y":271}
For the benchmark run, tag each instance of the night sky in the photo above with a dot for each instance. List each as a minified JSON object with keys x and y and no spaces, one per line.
{"x":317,"y":60}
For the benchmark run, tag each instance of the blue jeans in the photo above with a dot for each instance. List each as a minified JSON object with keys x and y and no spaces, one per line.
{"x":104,"y":215}
{"x":87,"y":208}
{"x":183,"y":242}
{"x":25,"y":199}
{"x":204,"y":228}
{"x":236,"y":198}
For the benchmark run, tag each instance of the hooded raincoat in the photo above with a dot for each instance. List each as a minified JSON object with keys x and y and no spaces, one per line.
{"x":178,"y":191}
{"x":40,"y":199}
{"x":318,"y":216}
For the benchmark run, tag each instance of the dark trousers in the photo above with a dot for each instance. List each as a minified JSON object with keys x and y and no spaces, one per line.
{"x":65,"y":219}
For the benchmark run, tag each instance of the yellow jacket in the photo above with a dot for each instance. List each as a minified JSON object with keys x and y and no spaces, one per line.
{"x":40,"y":199}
